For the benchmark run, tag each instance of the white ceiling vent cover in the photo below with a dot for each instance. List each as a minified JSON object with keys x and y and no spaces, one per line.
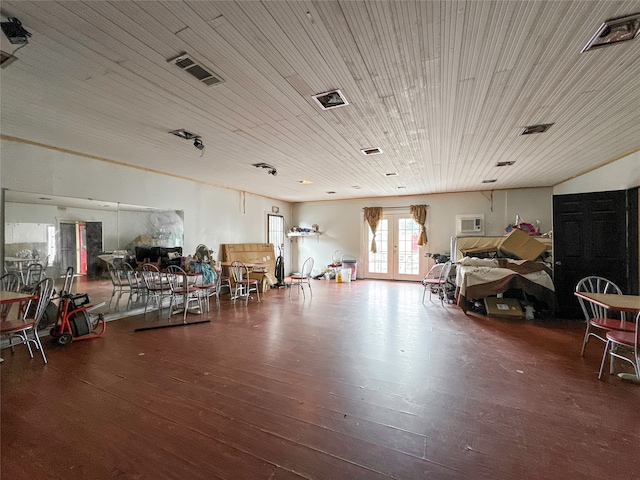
{"x":190,"y":65}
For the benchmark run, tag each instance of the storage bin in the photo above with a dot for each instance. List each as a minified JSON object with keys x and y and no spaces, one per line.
{"x":346,"y":275}
{"x":352,"y":266}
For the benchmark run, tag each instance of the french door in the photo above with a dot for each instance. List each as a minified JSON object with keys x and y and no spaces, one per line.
{"x":398,"y":257}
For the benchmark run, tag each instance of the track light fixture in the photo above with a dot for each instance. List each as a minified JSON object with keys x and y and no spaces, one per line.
{"x":271,"y":170}
{"x":197,"y":139}
{"x":15,"y":32}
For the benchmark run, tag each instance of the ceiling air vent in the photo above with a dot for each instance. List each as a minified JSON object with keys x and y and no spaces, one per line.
{"x":190,"y":65}
{"x":615,"y":30}
{"x":371,"y":151}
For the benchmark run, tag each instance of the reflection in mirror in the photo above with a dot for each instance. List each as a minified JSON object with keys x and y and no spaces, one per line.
{"x":85,"y":234}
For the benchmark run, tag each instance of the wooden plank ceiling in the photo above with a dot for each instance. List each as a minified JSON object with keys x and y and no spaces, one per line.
{"x":443,"y":88}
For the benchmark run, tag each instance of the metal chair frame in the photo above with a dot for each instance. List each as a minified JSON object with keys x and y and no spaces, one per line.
{"x":436,"y":280}
{"x":157,"y":286}
{"x":26,"y":328}
{"x":304,"y":277}
{"x":596,"y":316}
{"x":244,"y":284}
{"x":627,"y":341}
{"x":9,"y":282}
{"x":183,"y":290}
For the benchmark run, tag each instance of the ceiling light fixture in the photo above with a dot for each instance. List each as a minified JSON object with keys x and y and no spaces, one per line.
{"x":197,"y":139}
{"x":331,"y":99}
{"x":305,"y":182}
{"x":271,"y":170}
{"x":540,"y":128}
{"x":14,"y":31}
{"x":615,"y":30}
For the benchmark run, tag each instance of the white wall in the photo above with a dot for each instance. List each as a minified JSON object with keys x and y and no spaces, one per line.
{"x":343,"y":228}
{"x":619,"y":175}
{"x":212,"y":215}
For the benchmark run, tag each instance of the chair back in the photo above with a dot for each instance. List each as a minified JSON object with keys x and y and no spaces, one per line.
{"x":307,"y":267}
{"x":10,"y":282}
{"x":44,"y":291}
{"x":445,"y":271}
{"x":33,"y":275}
{"x":239,"y":271}
{"x":439,"y":271}
{"x":131,"y":275}
{"x":114,"y":274}
{"x":595,"y":284}
{"x":178,"y":279}
{"x":152,"y":277}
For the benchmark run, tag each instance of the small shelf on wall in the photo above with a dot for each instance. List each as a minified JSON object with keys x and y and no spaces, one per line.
{"x":304,"y":234}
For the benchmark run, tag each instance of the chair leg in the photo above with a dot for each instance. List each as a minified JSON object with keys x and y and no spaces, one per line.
{"x":39,"y":346}
{"x":586,"y":339}
{"x":604,"y":358}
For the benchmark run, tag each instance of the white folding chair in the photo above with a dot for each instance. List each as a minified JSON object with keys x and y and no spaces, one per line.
{"x":300,"y":279}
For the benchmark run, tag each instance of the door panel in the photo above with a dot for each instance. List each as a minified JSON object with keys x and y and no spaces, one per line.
{"x":94,"y":247}
{"x":68,"y":257}
{"x":398,"y":256}
{"x":594,"y":235}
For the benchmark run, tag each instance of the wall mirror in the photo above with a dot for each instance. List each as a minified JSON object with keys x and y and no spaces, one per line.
{"x":86,"y":234}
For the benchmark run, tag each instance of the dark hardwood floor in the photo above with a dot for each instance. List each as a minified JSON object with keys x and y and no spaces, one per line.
{"x":360,"y":382}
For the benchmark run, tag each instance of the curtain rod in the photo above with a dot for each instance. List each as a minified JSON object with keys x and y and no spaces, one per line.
{"x":396,"y":208}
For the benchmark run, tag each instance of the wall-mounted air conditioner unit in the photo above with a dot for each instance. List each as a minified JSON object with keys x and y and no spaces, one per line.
{"x":470,"y":225}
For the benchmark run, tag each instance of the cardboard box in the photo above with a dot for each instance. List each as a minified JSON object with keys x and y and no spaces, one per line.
{"x":503,"y":307}
{"x":519,"y":245}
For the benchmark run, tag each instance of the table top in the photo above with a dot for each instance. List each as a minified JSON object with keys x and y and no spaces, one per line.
{"x":612,"y":301}
{"x":248,"y":265}
{"x":9,"y":297}
{"x":20,"y":259}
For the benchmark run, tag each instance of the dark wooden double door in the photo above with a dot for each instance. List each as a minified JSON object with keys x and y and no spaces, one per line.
{"x":594,"y":234}
{"x":80,"y":245}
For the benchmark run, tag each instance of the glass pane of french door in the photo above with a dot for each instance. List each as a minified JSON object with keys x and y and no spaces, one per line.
{"x":398,"y":255}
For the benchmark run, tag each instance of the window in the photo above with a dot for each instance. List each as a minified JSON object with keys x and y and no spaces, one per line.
{"x":275,"y":230}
